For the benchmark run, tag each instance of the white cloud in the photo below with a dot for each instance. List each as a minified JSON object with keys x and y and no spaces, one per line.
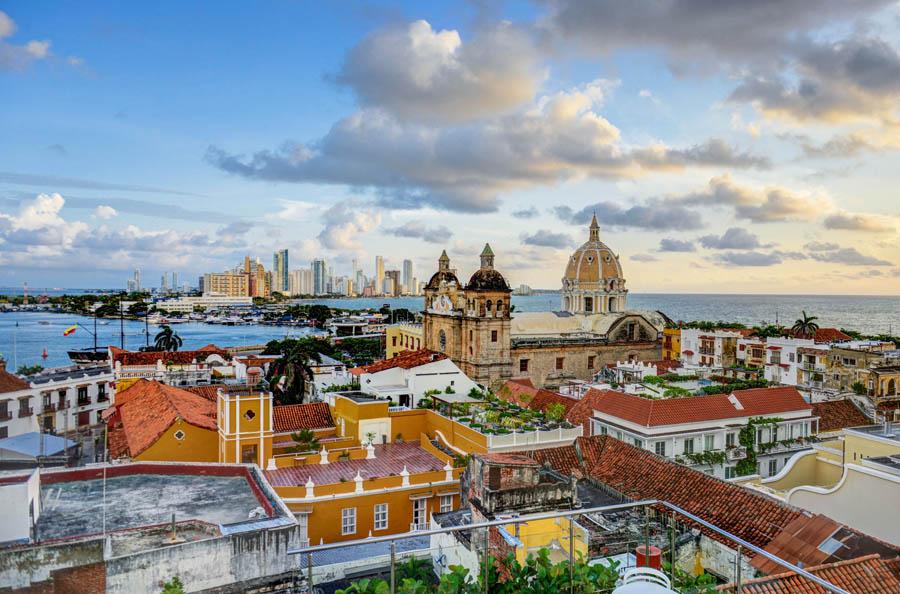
{"x":105,"y":212}
{"x":345,"y":222}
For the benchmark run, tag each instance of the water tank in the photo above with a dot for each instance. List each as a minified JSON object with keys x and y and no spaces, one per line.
{"x":651,"y":558}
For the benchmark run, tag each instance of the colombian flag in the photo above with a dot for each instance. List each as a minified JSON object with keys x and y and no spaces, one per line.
{"x":70,"y":330}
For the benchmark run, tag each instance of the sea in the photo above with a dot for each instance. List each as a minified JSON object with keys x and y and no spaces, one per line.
{"x":24,"y":336}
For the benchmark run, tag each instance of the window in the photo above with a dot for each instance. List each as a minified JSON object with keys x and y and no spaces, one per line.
{"x":420,"y":514}
{"x":689,"y":446}
{"x":348,"y":520}
{"x":500,"y":306}
{"x":730,"y":472}
{"x":637,"y":442}
{"x":773,"y":467}
{"x":589,"y":304}
{"x":4,"y":432}
{"x":489,"y":305}
{"x":381,"y":516}
{"x":393,"y":341}
{"x":493,"y":336}
{"x":249,"y":415}
{"x":709,"y":442}
{"x":559,"y":362}
{"x":523,"y":364}
{"x":660,"y":448}
{"x":179,"y":435}
{"x":590,"y":361}
{"x":249,"y":454}
{"x":730,"y":440}
{"x":101,"y":392}
{"x":603,"y":430}
{"x":83,"y":397}
{"x":446,"y":503}
{"x":5,"y":415}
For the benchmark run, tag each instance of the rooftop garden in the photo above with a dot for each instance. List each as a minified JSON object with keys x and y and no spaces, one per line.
{"x":496,"y":416}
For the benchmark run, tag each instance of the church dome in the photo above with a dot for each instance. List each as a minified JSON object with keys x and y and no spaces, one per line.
{"x":593,"y":261}
{"x":487,"y":278}
{"x":444,"y":273}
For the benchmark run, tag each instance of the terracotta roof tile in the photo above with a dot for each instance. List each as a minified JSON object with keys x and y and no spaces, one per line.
{"x":209,"y":391}
{"x":147,"y":409}
{"x":405,"y":360}
{"x":11,"y":383}
{"x":151,"y":357}
{"x":673,"y":411}
{"x":294,"y":417}
{"x":828,"y":335}
{"x":863,"y":575}
{"x":564,"y":459}
{"x":838,"y":414}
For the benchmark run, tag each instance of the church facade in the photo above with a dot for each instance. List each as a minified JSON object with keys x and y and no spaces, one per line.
{"x":473,"y":325}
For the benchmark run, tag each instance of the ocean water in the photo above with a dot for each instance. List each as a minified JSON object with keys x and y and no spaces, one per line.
{"x":24,"y":336}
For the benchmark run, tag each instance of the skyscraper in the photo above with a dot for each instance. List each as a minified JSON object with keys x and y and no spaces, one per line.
{"x":407,"y":276}
{"x":280,"y":281}
{"x":320,"y":277}
{"x":379,"y":274}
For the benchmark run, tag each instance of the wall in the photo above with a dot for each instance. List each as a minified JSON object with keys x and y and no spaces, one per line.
{"x":860,"y":499}
{"x":542,"y":360}
{"x":806,"y":468}
{"x":715,"y":558}
{"x":198,"y":445}
{"x":24,"y":565}
{"x":15,"y":519}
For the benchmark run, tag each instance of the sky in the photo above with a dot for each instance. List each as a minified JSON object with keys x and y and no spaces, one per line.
{"x":726,"y":147}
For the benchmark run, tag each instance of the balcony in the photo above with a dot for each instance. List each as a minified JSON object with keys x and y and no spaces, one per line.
{"x":62,"y":405}
{"x":709,"y":351}
{"x":103,"y":397}
{"x":25,"y":412}
{"x":49,"y":407}
{"x":84,"y":401}
{"x":6,"y":416}
{"x":736,"y":453}
{"x":815,"y":367}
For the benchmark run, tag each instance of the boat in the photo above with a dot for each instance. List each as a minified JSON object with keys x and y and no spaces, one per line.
{"x":89,"y":355}
{"x":44,"y":323}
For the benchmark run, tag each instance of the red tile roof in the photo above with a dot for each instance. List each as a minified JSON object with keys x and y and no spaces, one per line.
{"x":523,"y":393}
{"x":827,"y":335}
{"x":209,"y":391}
{"x":11,"y":383}
{"x":581,"y":413}
{"x":404,"y":360}
{"x":151,"y":357}
{"x":508,"y":459}
{"x":863,"y":575}
{"x":294,"y":417}
{"x":672,"y":411}
{"x":390,"y":459}
{"x":145,"y":410}
{"x":838,"y":414}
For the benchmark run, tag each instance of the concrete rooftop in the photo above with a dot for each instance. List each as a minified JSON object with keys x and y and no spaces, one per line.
{"x":75,"y":508}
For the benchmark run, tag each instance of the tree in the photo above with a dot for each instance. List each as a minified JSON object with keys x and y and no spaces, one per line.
{"x":319,"y":314}
{"x":304,"y":441}
{"x":29,"y":369}
{"x":173,"y":586}
{"x":167,"y":340}
{"x":806,"y":326}
{"x":137,"y":309}
{"x":555,"y":412}
{"x":290,"y":376}
{"x":859,"y":388}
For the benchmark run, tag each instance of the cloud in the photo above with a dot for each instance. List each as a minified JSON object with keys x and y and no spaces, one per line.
{"x":860,"y":222}
{"x":546,"y":238}
{"x":839,"y":147}
{"x":821,"y":246}
{"x":772,"y":204}
{"x":416,"y":72}
{"x":418,"y":230}
{"x":735,"y":238}
{"x":749,"y":258}
{"x":857,"y":78}
{"x":105,"y":212}
{"x":691,"y":33}
{"x":345,"y":222}
{"x":294,"y":210}
{"x":464,"y":167}
{"x":526,"y":213}
{"x":675,"y":245}
{"x":655,"y":215}
{"x":58,"y":149}
{"x":848,"y":256}
{"x":18,"y":57}
{"x":52,"y":181}
{"x":644,"y":258}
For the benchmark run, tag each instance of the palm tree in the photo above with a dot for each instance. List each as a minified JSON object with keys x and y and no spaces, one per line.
{"x":291,"y":374}
{"x":167,"y":340}
{"x":806,"y":326}
{"x":304,"y":441}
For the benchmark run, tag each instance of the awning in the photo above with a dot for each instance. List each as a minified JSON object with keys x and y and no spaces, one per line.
{"x":422,"y":495}
{"x":446,"y":493}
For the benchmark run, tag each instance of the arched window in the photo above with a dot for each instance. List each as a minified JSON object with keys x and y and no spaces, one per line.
{"x":489,"y":305}
{"x":612,"y":304}
{"x":442,"y":340}
{"x":499,"y":306}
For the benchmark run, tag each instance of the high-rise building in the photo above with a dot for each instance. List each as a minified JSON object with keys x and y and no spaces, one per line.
{"x":280,"y":281}
{"x":174,"y":285}
{"x":163,"y":282}
{"x":137,"y":279}
{"x":320,"y":277}
{"x":231,"y":284}
{"x":407,"y":276}
{"x":379,"y":274}
{"x":301,"y":282}
{"x":391,"y":286}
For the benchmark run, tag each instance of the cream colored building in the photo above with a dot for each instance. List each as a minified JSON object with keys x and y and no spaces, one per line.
{"x":229,"y":284}
{"x":854,"y":479}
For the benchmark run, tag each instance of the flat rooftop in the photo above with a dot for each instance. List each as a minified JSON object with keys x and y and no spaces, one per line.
{"x":893,"y":432}
{"x":74,"y":507}
{"x":389,"y":460}
{"x":59,"y":374}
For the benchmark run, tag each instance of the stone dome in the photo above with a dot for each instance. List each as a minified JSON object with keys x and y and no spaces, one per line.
{"x":593,"y":261}
{"x":444,"y":273}
{"x":593,"y":281}
{"x":486,"y":279}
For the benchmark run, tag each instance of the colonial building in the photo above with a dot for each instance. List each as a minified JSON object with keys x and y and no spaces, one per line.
{"x":472,"y":323}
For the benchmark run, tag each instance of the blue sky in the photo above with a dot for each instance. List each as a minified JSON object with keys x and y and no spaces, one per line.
{"x":730,"y":148}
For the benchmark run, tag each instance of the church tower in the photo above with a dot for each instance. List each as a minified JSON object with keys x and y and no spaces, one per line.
{"x":486,"y":324}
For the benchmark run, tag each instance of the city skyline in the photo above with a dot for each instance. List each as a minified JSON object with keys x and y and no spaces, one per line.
{"x":759,"y":162}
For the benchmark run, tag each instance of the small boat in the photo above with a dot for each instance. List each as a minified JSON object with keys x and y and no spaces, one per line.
{"x":44,"y":355}
{"x":44,"y":323}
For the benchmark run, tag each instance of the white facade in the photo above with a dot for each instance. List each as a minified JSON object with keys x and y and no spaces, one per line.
{"x":209,"y":301}
{"x":21,"y":507}
{"x":408,"y":386}
{"x":181,"y":374}
{"x":695,"y":353}
{"x":329,"y":372}
{"x":782,"y":360}
{"x":679,"y":440}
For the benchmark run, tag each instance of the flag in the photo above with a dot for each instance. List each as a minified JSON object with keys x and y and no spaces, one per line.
{"x":70,"y":330}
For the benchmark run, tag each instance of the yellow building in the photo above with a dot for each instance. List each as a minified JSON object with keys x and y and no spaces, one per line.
{"x":231,"y":284}
{"x":883,"y":385}
{"x":853,"y":479}
{"x":402,"y":337}
{"x":671,"y":346}
{"x":246,"y":425}
{"x":552,"y":534}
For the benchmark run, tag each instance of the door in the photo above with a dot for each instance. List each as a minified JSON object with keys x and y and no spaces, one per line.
{"x":420,"y":514}
{"x":249,"y":454}
{"x":84,"y":418}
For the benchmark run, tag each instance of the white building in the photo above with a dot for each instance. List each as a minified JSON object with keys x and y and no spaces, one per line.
{"x":408,"y":376}
{"x":782,"y":359}
{"x":703,"y":431}
{"x":21,"y":509}
{"x":208,"y":301}
{"x":329,"y":372}
{"x":708,"y":348}
{"x":57,"y":400}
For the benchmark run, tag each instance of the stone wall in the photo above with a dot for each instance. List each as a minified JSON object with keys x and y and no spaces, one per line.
{"x":542,"y":359}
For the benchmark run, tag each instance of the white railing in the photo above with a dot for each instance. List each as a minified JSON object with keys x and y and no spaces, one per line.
{"x":537,"y":437}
